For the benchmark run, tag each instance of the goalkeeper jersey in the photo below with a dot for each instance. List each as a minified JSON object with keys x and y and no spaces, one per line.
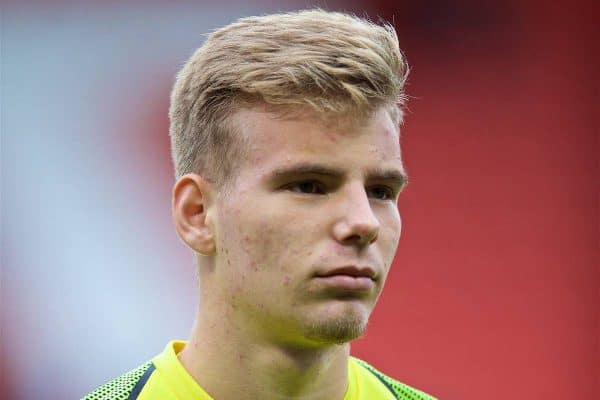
{"x":165,"y":378}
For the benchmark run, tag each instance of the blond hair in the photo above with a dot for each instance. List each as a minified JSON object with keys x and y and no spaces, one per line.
{"x":328,"y":63}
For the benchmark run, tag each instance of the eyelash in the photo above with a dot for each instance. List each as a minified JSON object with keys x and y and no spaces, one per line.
{"x":389,"y":192}
{"x":296,"y":185}
{"x":320,"y":189}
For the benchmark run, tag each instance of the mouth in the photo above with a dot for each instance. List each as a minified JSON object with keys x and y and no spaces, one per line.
{"x":349,"y":278}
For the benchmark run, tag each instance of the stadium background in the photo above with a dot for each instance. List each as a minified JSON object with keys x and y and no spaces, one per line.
{"x":495,"y":289}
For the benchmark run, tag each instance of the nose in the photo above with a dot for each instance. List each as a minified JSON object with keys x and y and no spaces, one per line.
{"x":357,"y":224}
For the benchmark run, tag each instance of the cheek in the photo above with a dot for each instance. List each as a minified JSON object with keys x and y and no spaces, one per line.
{"x":258,"y":246}
{"x":251,"y":240}
{"x":390,"y":235}
{"x":398,"y":229}
{"x":267,"y":245}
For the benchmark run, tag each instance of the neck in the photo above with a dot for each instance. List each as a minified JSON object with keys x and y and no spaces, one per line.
{"x":229,"y":362}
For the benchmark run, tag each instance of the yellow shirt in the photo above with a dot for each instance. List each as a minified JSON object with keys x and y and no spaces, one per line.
{"x":165,"y":378}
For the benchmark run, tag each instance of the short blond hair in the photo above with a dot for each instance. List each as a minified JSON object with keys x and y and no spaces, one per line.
{"x":329,"y":63}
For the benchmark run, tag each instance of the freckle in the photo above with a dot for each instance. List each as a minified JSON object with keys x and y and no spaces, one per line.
{"x":331,"y":136}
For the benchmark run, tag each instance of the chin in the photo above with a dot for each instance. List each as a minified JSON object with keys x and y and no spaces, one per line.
{"x":338,"y":329}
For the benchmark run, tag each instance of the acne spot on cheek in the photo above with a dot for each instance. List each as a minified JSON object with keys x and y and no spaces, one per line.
{"x":232,"y":307}
{"x":254,"y":266}
{"x":246,"y":243}
{"x":332,"y":137}
{"x":286,"y":280}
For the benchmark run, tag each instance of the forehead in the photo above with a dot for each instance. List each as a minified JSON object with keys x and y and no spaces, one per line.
{"x":272,"y":141}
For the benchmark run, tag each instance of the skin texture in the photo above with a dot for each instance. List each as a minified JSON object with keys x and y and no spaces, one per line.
{"x":310,"y":198}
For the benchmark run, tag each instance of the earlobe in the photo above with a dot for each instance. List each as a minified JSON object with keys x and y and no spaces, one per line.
{"x":192,"y":200}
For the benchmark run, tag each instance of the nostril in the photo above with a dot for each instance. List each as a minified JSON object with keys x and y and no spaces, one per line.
{"x":373,"y":239}
{"x":364,"y":239}
{"x":353,"y":238}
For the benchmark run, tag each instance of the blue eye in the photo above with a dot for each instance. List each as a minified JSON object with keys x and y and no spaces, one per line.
{"x":381,"y":193}
{"x":307,"y":187}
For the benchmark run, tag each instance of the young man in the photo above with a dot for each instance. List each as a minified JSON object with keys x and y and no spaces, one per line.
{"x":285,"y":139}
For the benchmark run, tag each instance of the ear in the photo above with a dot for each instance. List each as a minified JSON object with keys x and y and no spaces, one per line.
{"x":192,"y":204}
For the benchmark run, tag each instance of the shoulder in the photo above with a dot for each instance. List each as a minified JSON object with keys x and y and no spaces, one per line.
{"x":400,"y":390}
{"x":125,"y":387}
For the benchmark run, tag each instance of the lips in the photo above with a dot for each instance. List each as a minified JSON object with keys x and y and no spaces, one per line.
{"x":349,"y":278}
{"x":351,"y":271}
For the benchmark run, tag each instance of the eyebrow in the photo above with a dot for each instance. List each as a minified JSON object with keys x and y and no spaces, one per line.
{"x":399,"y":177}
{"x":396,"y":176}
